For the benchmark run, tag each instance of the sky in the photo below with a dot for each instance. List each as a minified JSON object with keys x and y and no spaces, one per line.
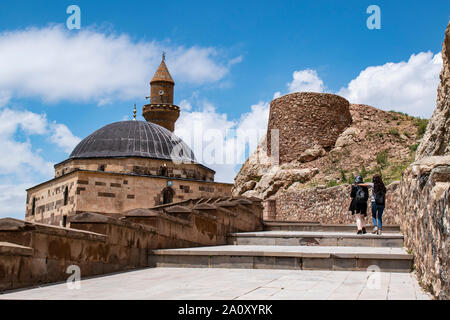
{"x":229,"y":59}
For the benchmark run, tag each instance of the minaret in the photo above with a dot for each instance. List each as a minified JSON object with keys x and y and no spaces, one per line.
{"x":161,"y":109}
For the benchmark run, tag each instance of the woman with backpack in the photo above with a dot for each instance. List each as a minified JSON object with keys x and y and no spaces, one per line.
{"x":378,"y":202}
{"x":358,"y":206}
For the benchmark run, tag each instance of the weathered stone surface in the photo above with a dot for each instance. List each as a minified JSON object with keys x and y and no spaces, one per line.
{"x":425,"y":220}
{"x":425,"y":194}
{"x":347,"y":137}
{"x":307,"y":120}
{"x":327,"y":205}
{"x":436,"y":140}
{"x":312,"y":153}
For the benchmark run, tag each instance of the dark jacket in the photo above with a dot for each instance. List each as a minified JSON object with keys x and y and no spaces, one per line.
{"x":353,"y":205}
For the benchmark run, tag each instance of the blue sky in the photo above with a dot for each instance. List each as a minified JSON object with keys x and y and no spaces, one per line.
{"x":228,"y":59}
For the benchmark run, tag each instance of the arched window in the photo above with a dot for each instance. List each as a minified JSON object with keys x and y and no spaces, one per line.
{"x":163,"y":170}
{"x":66,"y":195}
{"x":33,"y":205}
{"x":168,"y":194}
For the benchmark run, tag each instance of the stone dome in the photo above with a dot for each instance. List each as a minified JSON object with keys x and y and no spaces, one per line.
{"x":133,"y":139}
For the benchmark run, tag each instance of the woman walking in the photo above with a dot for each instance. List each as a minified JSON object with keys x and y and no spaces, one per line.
{"x":378,"y":202}
{"x":358,"y":206}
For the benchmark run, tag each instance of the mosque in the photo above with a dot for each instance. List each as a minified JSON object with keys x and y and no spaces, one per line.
{"x":126,"y":165}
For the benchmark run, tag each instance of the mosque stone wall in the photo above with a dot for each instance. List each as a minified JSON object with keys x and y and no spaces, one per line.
{"x":135,"y":165}
{"x":111,"y":194}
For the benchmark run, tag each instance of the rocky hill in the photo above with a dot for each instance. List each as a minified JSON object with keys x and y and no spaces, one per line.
{"x":375,"y":142}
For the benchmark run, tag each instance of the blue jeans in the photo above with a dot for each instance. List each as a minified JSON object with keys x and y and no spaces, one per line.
{"x":377,"y":214}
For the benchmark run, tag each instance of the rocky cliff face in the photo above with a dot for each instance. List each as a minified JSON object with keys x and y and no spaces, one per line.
{"x":425,"y":194}
{"x":436,"y":140}
{"x":424,"y":219}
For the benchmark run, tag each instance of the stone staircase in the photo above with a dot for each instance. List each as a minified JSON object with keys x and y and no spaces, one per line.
{"x":296,"y":245}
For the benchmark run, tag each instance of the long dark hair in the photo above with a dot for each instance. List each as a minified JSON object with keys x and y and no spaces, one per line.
{"x":378,"y":185}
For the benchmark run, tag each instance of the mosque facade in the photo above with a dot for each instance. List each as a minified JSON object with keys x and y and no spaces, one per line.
{"x":126,"y":165}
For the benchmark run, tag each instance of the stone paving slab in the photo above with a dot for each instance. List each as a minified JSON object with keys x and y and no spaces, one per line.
{"x":304,"y":226}
{"x":292,"y":251}
{"x":228,"y":284}
{"x":316,"y":238}
{"x":323,"y":234}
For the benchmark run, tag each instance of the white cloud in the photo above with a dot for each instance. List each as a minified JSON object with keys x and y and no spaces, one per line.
{"x":13,"y":199}
{"x":404,"y":86}
{"x":5,"y":96}
{"x":305,"y":80}
{"x":55,"y":64}
{"x":218,"y":142}
{"x":21,"y":165}
{"x":63,"y":137}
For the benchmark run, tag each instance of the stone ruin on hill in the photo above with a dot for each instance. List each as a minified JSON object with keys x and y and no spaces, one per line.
{"x":308,"y":123}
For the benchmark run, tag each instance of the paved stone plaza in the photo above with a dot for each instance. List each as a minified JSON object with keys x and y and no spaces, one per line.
{"x":228,"y":284}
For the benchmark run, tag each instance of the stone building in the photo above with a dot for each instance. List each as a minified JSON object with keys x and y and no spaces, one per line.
{"x":126,"y":165}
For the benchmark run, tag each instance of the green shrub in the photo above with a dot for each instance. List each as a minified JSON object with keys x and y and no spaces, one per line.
{"x":421,"y":125}
{"x":382,"y":158}
{"x":407,"y":134}
{"x":413,"y":147}
{"x":332,"y":183}
{"x":343,"y":176}
{"x":394,"y":132}
{"x":363,"y":171}
{"x":351,"y":178}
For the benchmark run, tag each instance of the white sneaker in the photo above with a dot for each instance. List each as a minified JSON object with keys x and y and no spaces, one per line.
{"x":375,"y":230}
{"x":379,"y":232}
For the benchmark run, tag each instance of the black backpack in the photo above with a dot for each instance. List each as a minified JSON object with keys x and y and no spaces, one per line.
{"x":379,"y":198}
{"x":360,"y":195}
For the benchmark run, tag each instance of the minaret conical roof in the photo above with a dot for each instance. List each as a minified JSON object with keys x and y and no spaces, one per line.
{"x":162,"y":74}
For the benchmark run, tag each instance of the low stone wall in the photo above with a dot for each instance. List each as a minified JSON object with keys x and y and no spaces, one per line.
{"x":34,"y":253}
{"x":325,"y":205}
{"x":51,"y":251}
{"x":425,"y":221}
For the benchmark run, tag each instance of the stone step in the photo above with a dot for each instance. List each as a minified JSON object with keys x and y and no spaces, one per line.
{"x":285,"y":257}
{"x":312,"y":226}
{"x":316,"y":238}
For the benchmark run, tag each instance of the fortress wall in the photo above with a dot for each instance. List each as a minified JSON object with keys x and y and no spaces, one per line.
{"x":326,"y":205}
{"x":307,"y":120}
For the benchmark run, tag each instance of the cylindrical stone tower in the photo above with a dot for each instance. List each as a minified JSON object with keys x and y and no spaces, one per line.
{"x":306,"y":120}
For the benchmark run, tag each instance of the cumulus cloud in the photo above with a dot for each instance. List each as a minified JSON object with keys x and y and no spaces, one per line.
{"x":21,"y":165}
{"x":407,"y":86}
{"x":63,"y":137}
{"x":12,"y":199}
{"x":305,"y":80}
{"x":218,"y":142}
{"x":55,"y":64}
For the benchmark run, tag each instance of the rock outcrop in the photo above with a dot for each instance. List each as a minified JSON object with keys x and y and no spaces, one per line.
{"x":425,"y":194}
{"x":375,"y":141}
{"x":436,"y":140}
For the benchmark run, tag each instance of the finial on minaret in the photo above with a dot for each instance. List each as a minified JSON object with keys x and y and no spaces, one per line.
{"x":134,"y":112}
{"x":164,"y":56}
